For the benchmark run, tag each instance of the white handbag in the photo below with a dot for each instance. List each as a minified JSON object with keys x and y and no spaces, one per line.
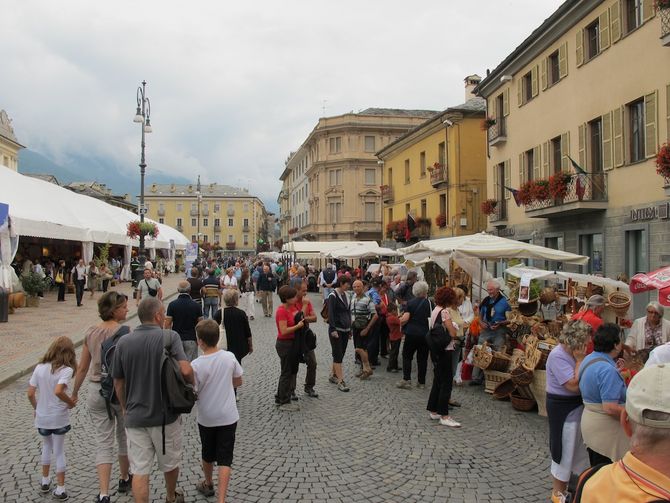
{"x":223,"y":342}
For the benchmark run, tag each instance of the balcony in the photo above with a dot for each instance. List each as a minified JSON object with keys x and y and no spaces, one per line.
{"x":231,"y":212}
{"x":161,"y":212}
{"x":438,"y":174}
{"x":194,"y":212}
{"x":586,"y":193}
{"x":205,"y":212}
{"x":497,"y":133}
{"x":230,"y":245}
{"x":387,"y":193}
{"x":217,"y":228}
{"x":664,"y":14}
{"x":499,"y":215}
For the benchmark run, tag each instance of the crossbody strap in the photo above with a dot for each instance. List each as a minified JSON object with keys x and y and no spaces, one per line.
{"x":583,"y":368}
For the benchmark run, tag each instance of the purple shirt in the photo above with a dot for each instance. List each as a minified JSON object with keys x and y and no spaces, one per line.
{"x":560,"y":369}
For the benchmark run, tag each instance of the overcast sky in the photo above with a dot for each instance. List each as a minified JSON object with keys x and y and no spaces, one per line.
{"x":236,"y":86}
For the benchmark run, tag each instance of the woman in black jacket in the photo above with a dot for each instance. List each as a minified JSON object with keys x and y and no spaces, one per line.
{"x":236,"y":323}
{"x":339,"y":328}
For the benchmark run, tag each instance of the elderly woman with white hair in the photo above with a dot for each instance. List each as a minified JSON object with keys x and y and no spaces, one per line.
{"x":415,"y":327}
{"x":649,"y":331}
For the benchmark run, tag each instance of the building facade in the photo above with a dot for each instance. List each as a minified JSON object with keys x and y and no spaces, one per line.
{"x":104,"y":193}
{"x":9,"y":144}
{"x":590,"y":85}
{"x":221,"y":215}
{"x":331,"y":184}
{"x":437,"y":173}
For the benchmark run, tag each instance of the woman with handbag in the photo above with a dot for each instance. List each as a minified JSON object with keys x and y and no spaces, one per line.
{"x":288,"y":358}
{"x":304,"y":305}
{"x":59,"y":279}
{"x":92,"y":274}
{"x":363,"y":318}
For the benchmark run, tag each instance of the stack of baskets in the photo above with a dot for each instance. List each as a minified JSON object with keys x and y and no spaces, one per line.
{"x":619,"y":302}
{"x":495,"y":365}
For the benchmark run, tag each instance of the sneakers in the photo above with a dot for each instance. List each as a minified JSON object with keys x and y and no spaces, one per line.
{"x":342,"y":386}
{"x":420,"y":386}
{"x":126,"y":485}
{"x":434,"y":416}
{"x":311,"y":393}
{"x":205,"y":489}
{"x":102,"y":499}
{"x":294,"y":397}
{"x":62,"y":496}
{"x":289,"y":407}
{"x":450,"y":422}
{"x":404,"y":385}
{"x":333,"y":379}
{"x":45,"y":488}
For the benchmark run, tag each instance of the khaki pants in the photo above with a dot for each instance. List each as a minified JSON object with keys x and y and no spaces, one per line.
{"x":266,"y":302}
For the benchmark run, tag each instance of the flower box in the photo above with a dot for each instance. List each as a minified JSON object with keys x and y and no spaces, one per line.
{"x":488,"y":206}
{"x":559,"y":184}
{"x":137,"y":229}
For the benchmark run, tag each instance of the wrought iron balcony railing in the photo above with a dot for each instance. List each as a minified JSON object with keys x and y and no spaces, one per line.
{"x":582,"y":190}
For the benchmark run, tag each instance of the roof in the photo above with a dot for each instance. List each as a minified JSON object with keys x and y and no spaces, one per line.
{"x":397,"y":112}
{"x":187,"y":190}
{"x":43,"y":176}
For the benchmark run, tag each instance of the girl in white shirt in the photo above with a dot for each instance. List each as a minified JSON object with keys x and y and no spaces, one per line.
{"x":50,"y":380}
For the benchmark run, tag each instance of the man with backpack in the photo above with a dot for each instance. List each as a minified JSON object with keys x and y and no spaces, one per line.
{"x":153,"y":428}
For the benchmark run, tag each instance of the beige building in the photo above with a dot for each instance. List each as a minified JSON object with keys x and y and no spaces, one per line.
{"x":220,"y":214}
{"x":331,"y":184}
{"x":591,"y":84}
{"x":9,"y":145}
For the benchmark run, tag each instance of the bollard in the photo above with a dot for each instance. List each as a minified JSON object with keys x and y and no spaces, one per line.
{"x":4,"y":305}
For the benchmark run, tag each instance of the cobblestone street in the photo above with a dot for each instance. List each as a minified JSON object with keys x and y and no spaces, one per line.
{"x":375,"y":443}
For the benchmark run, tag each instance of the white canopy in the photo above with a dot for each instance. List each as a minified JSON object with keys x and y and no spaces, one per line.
{"x":315,"y":249}
{"x":607,"y":283}
{"x":367,"y":249}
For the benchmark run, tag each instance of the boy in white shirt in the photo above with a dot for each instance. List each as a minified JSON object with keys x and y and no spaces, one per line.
{"x":217,"y":374}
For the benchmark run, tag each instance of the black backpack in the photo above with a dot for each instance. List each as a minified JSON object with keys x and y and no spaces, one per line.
{"x":437,"y":337}
{"x":328,"y":276}
{"x":107,"y":350}
{"x":178,"y":396}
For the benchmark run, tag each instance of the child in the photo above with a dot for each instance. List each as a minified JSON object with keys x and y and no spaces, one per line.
{"x":395,"y":336}
{"x":51,"y":377}
{"x":217,"y":373}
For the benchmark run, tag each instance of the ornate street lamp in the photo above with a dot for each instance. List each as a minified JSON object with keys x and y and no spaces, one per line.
{"x":142,"y":116}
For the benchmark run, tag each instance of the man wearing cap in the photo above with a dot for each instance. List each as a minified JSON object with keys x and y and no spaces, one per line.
{"x":591,"y":315}
{"x":643,"y":474}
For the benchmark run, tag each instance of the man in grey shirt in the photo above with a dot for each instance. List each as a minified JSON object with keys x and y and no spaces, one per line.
{"x":148,"y":285}
{"x":137,"y":382}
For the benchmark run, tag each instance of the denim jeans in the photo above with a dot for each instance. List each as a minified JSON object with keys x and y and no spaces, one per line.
{"x":211,"y":305}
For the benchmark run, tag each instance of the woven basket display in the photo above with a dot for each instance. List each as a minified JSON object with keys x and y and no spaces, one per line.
{"x":525,"y":392}
{"x":544,"y":348}
{"x":482,"y":357}
{"x":521,"y":376}
{"x":503,"y":390}
{"x":493,"y":378}
{"x":518,"y":356}
{"x":619,"y":302}
{"x":538,"y":387}
{"x":521,"y":403}
{"x":500,"y":362}
{"x":529,"y":308}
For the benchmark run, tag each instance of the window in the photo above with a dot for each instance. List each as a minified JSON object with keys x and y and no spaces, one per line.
{"x":230,"y":238}
{"x":389,"y":182}
{"x":245,"y":208}
{"x":591,"y":245}
{"x":406,"y":170}
{"x":555,"y":243}
{"x":370,"y":144}
{"x":194,"y":207}
{"x":636,"y":252}
{"x":161,"y":220}
{"x":205,"y":222}
{"x":527,"y":87}
{"x":556,"y":155}
{"x":194,"y":222}
{"x":553,"y":68}
{"x":443,"y":204}
{"x":161,"y":207}
{"x":335,"y":210}
{"x":193,"y":240}
{"x":370,"y":212}
{"x":205,"y":207}
{"x":422,"y":164}
{"x":217,"y":222}
{"x":424,"y":210}
{"x":370,"y":177}
{"x":595,"y":145}
{"x":335,"y":177}
{"x":500,"y":114}
{"x":245,"y":238}
{"x":636,"y":128}
{"x":217,"y":238}
{"x":529,"y":162}
{"x":179,"y":222}
{"x":407,"y":210}
{"x":180,"y":207}
{"x":204,"y":238}
{"x":230,"y":222}
{"x":592,"y":39}
{"x":442,"y":154}
{"x":390,"y":215}
{"x":217,"y":207}
{"x":335,"y":145}
{"x":246,"y":222}
{"x":633,"y":10}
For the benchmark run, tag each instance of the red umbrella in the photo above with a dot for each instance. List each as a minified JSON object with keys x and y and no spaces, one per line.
{"x":656,"y":280}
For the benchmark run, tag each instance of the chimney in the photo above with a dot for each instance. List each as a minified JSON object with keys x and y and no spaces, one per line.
{"x":470,"y":82}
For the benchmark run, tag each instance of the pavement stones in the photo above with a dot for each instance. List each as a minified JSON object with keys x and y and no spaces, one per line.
{"x":374,"y":444}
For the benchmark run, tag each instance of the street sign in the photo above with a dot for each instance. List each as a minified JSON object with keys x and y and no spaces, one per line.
{"x":143,"y":211}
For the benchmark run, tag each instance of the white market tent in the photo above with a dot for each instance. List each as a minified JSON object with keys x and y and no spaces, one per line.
{"x":368,"y":249}
{"x":316,"y":249}
{"x":541,"y":274}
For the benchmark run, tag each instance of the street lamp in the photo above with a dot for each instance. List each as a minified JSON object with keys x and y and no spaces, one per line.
{"x":199,"y":196}
{"x":142,"y":116}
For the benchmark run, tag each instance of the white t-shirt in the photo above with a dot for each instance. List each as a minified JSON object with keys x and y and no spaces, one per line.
{"x":214,"y":382}
{"x":229,"y":282}
{"x":660,"y":354}
{"x":52,"y":412}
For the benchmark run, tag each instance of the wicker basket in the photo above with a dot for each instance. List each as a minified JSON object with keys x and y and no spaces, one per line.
{"x":518,"y":356}
{"x":529,"y":308}
{"x":538,"y":387}
{"x":521,"y":376}
{"x":482,"y":357}
{"x":619,"y":302}
{"x":503,"y":390}
{"x":521,"y":403}
{"x":544,"y":348}
{"x":493,"y":378}
{"x":525,"y":392}
{"x":500,"y":362}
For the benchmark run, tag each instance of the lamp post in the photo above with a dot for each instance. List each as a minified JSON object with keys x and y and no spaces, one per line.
{"x":142,"y":116}
{"x":199,"y":196}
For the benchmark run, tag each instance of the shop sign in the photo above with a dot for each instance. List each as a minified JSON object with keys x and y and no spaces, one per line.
{"x":506,"y":232}
{"x":661,"y":211}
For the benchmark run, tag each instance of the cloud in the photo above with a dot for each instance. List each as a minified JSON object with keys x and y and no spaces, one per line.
{"x":235,"y":87}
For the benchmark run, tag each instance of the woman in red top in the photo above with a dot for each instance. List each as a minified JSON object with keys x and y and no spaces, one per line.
{"x":395,"y":336}
{"x":288,"y":357}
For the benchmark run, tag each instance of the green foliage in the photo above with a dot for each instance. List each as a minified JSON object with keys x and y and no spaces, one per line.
{"x":103,"y":255}
{"x":33,"y":283}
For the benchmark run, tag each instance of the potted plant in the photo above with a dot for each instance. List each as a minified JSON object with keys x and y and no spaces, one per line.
{"x":558,"y":185}
{"x":441,"y":220}
{"x":525,"y":193}
{"x":540,"y":190}
{"x":146,"y":229}
{"x":663,"y":161}
{"x":488,"y":123}
{"x":33,"y":285}
{"x":488,"y":207}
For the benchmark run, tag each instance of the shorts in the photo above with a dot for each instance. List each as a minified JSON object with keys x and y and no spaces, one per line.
{"x":339,"y":346}
{"x":361,"y":342}
{"x":574,"y":458}
{"x":218,"y":443}
{"x":45,"y":432}
{"x":146,"y":442}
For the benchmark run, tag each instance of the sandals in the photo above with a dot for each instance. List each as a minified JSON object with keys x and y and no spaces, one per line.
{"x":205,"y":488}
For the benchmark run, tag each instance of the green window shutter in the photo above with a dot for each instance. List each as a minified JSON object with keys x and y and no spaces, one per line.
{"x":648,"y":10}
{"x":650,"y":120}
{"x":604,"y":30}
{"x":533,"y":81}
{"x":617,"y":136}
{"x":507,"y":180}
{"x":579,"y":48}
{"x":522,"y":170}
{"x":607,"y":141}
{"x":565,"y":151}
{"x":506,"y":102}
{"x":519,"y":90}
{"x":537,"y":173}
{"x":615,"y":21}
{"x":543,"y":74}
{"x":581,"y":134}
{"x":563,"y":60}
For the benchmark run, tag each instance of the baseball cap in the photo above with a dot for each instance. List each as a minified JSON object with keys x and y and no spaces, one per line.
{"x":596,"y":300}
{"x":649,"y":390}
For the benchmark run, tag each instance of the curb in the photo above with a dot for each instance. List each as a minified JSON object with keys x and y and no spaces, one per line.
{"x":78,"y":341}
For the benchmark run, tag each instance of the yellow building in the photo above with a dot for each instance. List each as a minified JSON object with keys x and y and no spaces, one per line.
{"x":437,"y":173}
{"x":9,"y":145}
{"x":221,"y":214}
{"x":592,"y":83}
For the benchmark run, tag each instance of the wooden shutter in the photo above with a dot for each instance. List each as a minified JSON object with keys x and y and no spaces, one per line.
{"x":565,"y":151}
{"x":522,"y":170}
{"x":667,"y":111}
{"x":506,"y":102}
{"x":533,"y":81}
{"x":496,"y":182}
{"x":650,"y":121}
{"x":519,"y":90}
{"x":615,"y":21}
{"x":545,"y":159}
{"x":507,"y":178}
{"x":648,"y":10}
{"x":537,"y":173}
{"x":604,"y":30}
{"x":581,"y":134}
{"x":617,"y":136}
{"x":543,"y":74}
{"x":563,"y":60}
{"x":607,"y":141}
{"x":579,"y":48}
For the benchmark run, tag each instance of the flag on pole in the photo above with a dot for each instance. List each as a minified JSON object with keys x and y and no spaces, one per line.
{"x":580,"y":183}
{"x":411,"y":225}
{"x":515,"y":195}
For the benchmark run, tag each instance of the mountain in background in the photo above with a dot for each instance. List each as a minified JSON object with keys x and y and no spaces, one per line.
{"x":92,"y":169}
